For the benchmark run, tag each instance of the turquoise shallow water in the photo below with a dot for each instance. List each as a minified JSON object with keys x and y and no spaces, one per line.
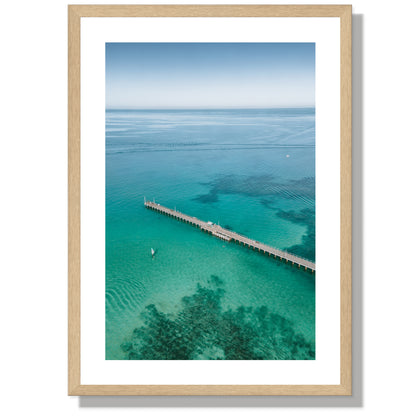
{"x":252,"y":171}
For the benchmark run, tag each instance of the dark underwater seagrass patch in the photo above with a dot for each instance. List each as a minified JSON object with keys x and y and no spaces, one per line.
{"x":306,"y":217}
{"x":203,"y":330}
{"x":258,"y":186}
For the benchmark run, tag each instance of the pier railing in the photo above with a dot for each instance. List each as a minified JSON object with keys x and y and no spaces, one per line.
{"x":228,"y":235}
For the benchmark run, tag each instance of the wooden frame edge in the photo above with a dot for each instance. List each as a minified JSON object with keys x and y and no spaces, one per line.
{"x":346,"y":199}
{"x":74,"y":322}
{"x":209,"y":390}
{"x":75,"y":12}
{"x":209,"y":10}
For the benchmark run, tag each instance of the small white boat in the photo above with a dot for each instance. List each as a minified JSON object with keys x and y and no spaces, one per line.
{"x":153,"y":252}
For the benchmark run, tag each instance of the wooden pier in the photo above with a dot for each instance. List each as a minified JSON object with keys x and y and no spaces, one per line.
{"x":227,"y":235}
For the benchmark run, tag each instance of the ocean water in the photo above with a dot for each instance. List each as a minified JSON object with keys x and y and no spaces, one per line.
{"x":252,"y":171}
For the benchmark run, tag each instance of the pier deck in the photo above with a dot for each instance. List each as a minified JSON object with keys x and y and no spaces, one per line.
{"x":228,"y":235}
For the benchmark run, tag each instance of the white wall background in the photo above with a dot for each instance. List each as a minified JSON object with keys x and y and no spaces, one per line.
{"x":33,"y":262}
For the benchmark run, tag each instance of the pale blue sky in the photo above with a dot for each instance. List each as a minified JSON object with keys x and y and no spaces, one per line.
{"x":210,"y":75}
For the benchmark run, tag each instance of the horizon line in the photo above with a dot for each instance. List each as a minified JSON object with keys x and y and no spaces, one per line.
{"x":211,"y":108}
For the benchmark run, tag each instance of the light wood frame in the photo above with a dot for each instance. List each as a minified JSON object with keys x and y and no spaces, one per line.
{"x":75,"y":12}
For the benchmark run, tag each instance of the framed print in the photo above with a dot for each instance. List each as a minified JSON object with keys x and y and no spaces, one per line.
{"x":209,"y":200}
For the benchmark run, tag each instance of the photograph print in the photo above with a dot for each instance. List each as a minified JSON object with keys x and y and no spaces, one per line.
{"x":210,"y":201}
